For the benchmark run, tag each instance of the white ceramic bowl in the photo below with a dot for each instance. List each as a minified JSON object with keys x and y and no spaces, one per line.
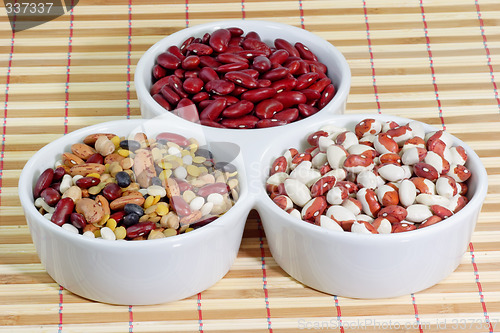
{"x":134,"y":272}
{"x":338,"y":69}
{"x":365,"y":265}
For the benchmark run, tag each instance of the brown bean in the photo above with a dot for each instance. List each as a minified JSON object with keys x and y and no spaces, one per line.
{"x":168,"y":60}
{"x":63,"y":210}
{"x":238,"y":109}
{"x":267,"y":108}
{"x":86,"y":168}
{"x":43,"y":182}
{"x":219,"y":40}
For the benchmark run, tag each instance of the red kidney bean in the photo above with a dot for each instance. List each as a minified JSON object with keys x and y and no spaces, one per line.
{"x":304,"y":52}
{"x":315,"y":69}
{"x":206,"y":61}
{"x":255,"y":44}
{"x":50,"y":196}
{"x":242,"y":79}
{"x":56,"y":186}
{"x":59,"y":172}
{"x":78,"y":220}
{"x":305,"y":80}
{"x":162,"y":101}
{"x":176,"y":52}
{"x":180,"y":206}
{"x":321,"y":66}
{"x":208,"y":122}
{"x":201,"y":96}
{"x":117,"y":216}
{"x":96,"y":158}
{"x":293,"y":66}
{"x":220,"y":39}
{"x":288,"y":115}
{"x":185,"y":44}
{"x":258,"y":94}
{"x":320,"y":84}
{"x":155,"y":89}
{"x":235,"y":66}
{"x":250,"y":54}
{"x":170,"y":95}
{"x":261,"y":64}
{"x":168,"y":60}
{"x":230,"y":100}
{"x":205,"y":38}
{"x":159,"y":72}
{"x":326,"y":96}
{"x":303,"y":68}
{"x":191,"y":62}
{"x":193,"y":73}
{"x":264,"y":123}
{"x":63,"y":210}
{"x":186,"y":109}
{"x":43,"y":182}
{"x":311,"y":94}
{"x":213,"y":110}
{"x":208,"y":74}
{"x":290,"y":98}
{"x":278,"y":57}
{"x":267,"y":108}
{"x":208,"y":189}
{"x":179,"y":72}
{"x":193,"y":85}
{"x":247,"y":121}
{"x":228,"y":58}
{"x":233,"y":49}
{"x":276,"y":74}
{"x":87,"y":182}
{"x":307,"y":110}
{"x":173,"y":137}
{"x":284,"y":84}
{"x":204,"y":104}
{"x":200,"y":49}
{"x":140,"y":229}
{"x":112,"y":191}
{"x":252,"y":72}
{"x":282,"y":44}
{"x":235,"y":31}
{"x":220,"y":87}
{"x":238,"y":109}
{"x":263,"y":83}
{"x":176,"y":84}
{"x":238,"y":90}
{"x":253,"y":35}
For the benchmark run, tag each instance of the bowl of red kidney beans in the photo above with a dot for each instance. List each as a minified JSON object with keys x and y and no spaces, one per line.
{"x":242,"y":74}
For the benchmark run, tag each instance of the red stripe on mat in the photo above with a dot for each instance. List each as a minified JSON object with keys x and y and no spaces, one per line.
{"x":487,"y":50}
{"x":372,"y":64}
{"x":200,"y":314}
{"x":129,"y":51}
{"x":339,"y":314}
{"x":301,"y":12}
{"x":187,"y":13}
{"x":6,"y":103}
{"x":480,"y":288}
{"x":417,"y":316}
{"x":431,"y":64}
{"x":70,"y":49}
{"x":264,"y":277}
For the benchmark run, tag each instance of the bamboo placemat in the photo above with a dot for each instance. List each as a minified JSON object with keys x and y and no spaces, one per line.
{"x":433,"y":61}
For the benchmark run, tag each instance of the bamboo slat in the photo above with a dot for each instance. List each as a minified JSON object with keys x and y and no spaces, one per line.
{"x":435,"y":61}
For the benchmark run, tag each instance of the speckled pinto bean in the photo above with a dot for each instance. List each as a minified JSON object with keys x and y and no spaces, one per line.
{"x":168,"y":184}
{"x":371,"y":179}
{"x":226,"y":62}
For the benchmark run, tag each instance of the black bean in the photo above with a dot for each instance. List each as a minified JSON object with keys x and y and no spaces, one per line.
{"x":130,"y":219}
{"x":156,"y":181}
{"x":133,"y":208}
{"x":204,"y":152}
{"x":131,"y":145}
{"x":225,"y":166}
{"x":123,"y":179}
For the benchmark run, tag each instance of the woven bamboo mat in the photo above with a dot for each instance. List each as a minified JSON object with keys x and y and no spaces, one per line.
{"x":432,"y":60}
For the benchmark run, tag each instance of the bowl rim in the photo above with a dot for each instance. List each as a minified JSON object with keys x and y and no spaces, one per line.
{"x":476,"y":200}
{"x":143,"y":95}
{"x":25,"y":193}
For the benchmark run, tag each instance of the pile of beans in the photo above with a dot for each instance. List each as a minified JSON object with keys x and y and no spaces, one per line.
{"x":380,"y":178}
{"x":135,"y":189}
{"x":228,"y":80}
